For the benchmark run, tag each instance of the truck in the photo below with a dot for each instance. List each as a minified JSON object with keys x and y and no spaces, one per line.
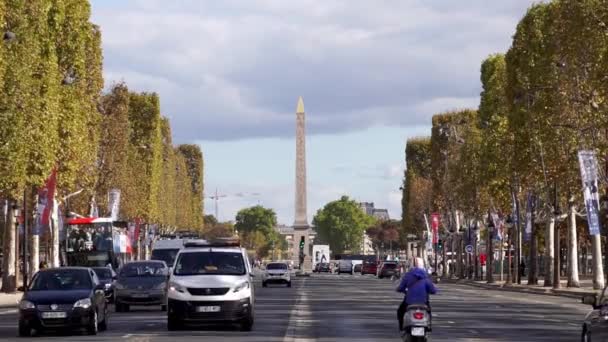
{"x":320,"y":254}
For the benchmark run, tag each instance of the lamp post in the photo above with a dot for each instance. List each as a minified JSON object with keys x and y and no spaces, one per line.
{"x":25,"y":241}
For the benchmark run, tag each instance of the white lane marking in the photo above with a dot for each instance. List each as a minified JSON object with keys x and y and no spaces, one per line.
{"x":8,"y":312}
{"x":300,"y":309}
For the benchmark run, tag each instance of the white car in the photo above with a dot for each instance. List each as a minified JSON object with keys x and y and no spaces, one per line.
{"x":211,"y":283}
{"x":276,"y":273}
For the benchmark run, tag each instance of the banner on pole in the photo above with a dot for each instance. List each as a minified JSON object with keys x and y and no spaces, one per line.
{"x":429,"y":243}
{"x":114,"y":203}
{"x":529,"y":210}
{"x":435,"y":227}
{"x":44,"y":207}
{"x":498,"y":226}
{"x":589,"y":175}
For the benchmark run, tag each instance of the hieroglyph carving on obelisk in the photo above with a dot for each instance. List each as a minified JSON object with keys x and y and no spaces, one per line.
{"x":301,"y":219}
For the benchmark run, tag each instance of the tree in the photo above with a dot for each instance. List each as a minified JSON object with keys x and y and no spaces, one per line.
{"x":210,"y":220}
{"x":257,"y":225}
{"x":341,"y":224}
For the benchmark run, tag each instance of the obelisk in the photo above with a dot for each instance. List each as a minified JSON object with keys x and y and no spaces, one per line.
{"x":300,"y":225}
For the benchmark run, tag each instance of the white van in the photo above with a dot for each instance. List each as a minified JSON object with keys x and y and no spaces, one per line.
{"x":166,"y":250}
{"x":345,"y":266}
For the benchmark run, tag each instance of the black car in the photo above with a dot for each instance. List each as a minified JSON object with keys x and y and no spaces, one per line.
{"x":141,"y":283}
{"x":63,"y":298}
{"x":595,"y":325}
{"x":106,"y":276}
{"x":323,"y":267}
{"x":388,"y":269}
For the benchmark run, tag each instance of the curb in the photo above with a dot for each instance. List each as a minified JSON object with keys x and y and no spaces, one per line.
{"x":533,"y":290}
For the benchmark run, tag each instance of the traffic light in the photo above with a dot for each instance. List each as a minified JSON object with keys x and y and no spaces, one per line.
{"x":440,"y":244}
{"x":301,"y":243}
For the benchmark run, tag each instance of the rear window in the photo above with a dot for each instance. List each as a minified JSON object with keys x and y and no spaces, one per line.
{"x":143,"y":269}
{"x":103,"y":273}
{"x":390,"y":266}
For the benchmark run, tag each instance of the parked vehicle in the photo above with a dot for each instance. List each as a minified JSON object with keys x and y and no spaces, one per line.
{"x":141,"y":283}
{"x":357,"y":268}
{"x":417,"y":323}
{"x":369,"y":268}
{"x":63,"y":298}
{"x":595,"y":327}
{"x":106,"y":276}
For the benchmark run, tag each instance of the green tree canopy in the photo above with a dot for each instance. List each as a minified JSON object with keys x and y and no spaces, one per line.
{"x":341,"y":224}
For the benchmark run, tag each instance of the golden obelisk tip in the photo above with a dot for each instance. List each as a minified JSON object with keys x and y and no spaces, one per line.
{"x":300,"y":108}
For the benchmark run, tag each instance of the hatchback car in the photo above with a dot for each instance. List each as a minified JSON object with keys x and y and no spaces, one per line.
{"x":388,"y":269}
{"x":276,"y":273}
{"x":141,"y":283}
{"x":369,"y":268}
{"x":63,"y":298}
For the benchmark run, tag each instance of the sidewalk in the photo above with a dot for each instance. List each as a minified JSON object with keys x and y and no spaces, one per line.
{"x":9,"y":300}
{"x":585,"y":289}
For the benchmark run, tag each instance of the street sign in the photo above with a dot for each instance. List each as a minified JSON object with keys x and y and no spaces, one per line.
{"x":469,"y":249}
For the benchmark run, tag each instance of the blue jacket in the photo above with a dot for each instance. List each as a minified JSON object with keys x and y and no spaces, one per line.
{"x":418,"y":286}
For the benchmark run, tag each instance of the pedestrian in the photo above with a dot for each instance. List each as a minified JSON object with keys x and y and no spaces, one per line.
{"x":522,"y":269}
{"x":43,"y":265}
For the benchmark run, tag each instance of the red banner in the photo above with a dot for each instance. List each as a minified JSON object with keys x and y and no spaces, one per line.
{"x":435,"y":227}
{"x":46,"y":198}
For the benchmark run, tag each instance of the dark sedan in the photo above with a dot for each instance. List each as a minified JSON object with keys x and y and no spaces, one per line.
{"x":60,"y":298}
{"x":106,"y":276}
{"x":595,"y":325}
{"x":322,"y":267}
{"x":141,"y":283}
{"x":388,"y":269}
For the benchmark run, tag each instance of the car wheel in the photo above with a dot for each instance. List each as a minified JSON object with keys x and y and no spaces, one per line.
{"x":173,"y":324}
{"x":163,"y":308}
{"x":93,"y":325}
{"x":264,"y":284}
{"x":24,"y":330}
{"x":380,"y":277}
{"x":289,"y":284}
{"x":117,"y":307}
{"x":247,"y":323}
{"x":126,"y":307}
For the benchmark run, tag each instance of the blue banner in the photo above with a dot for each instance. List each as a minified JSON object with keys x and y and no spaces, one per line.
{"x":589,"y":171}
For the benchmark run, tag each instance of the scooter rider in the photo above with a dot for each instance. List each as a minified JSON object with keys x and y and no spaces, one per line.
{"x":417,"y":286}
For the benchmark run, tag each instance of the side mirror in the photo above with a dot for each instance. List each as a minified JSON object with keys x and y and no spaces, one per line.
{"x":252,"y":275}
{"x":590,"y":300}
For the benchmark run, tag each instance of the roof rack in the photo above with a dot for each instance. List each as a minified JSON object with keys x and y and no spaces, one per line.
{"x":219,"y":242}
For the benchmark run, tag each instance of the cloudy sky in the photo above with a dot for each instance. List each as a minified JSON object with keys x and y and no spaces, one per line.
{"x":372,"y":73}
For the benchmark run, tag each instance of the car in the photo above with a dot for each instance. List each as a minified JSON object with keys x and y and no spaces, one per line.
{"x":276,"y":273}
{"x":345,"y":266}
{"x":211,"y":283}
{"x":323,"y":267}
{"x":166,"y":250}
{"x":63,"y":298}
{"x":369,"y":268}
{"x":141,"y":283}
{"x":388,"y":269}
{"x":595,"y":327}
{"x":357,"y":268}
{"x":106,"y":276}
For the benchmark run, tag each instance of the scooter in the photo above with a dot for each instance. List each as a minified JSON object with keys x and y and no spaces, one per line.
{"x":417,"y":324}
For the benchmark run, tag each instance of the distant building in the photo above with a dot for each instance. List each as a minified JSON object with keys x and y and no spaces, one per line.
{"x":367,"y":207}
{"x":371,"y":210}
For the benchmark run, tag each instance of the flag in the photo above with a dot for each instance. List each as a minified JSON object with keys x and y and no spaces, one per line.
{"x":94,"y":209}
{"x":530,"y":206}
{"x":429,"y":244}
{"x":589,"y":170}
{"x":46,"y":198}
{"x":498,"y":225}
{"x":435,"y":227}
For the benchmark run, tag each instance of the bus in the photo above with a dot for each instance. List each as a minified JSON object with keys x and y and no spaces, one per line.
{"x":96,"y":242}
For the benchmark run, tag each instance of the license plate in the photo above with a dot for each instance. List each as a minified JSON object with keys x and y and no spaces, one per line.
{"x":141,"y":295}
{"x":54,"y":315}
{"x":417,"y":331}
{"x":208,"y":309}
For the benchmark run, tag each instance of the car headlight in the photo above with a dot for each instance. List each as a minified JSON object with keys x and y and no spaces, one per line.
{"x":84,"y":303}
{"x":107,"y":286}
{"x":26,"y":305}
{"x":176,"y":287}
{"x":160,"y":286}
{"x":119,"y":286}
{"x":242,"y":286}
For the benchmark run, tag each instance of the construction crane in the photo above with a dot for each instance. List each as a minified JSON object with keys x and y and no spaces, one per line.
{"x":217,"y":196}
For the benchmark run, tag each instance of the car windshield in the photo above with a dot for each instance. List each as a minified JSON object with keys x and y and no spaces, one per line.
{"x":276,"y":267}
{"x":103,"y":273}
{"x":61,"y":280}
{"x":141,"y":269}
{"x":212,"y":262}
{"x":166,"y":255}
{"x":390,"y":266}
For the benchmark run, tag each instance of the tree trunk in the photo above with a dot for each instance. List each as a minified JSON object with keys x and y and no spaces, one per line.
{"x":598,"y":271}
{"x":35,"y":256}
{"x":550,"y":252}
{"x":572,"y":250}
{"x":55,"y":241}
{"x":490,"y":258}
{"x":557,"y":259}
{"x":9,"y":283}
{"x":533,"y":272}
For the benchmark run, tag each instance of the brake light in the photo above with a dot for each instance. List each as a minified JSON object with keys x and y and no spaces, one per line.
{"x":418,"y":315}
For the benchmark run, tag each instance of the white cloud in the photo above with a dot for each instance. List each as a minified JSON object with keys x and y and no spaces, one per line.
{"x":233,"y":69}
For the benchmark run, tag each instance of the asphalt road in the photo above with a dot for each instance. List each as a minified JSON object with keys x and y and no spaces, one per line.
{"x":355,"y":308}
